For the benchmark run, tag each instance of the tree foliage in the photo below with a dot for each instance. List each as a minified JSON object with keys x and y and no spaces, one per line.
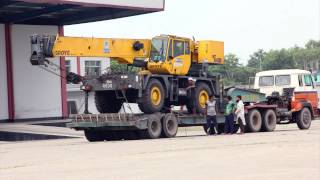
{"x":234,"y":73}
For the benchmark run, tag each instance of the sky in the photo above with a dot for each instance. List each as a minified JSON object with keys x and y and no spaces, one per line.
{"x":244,"y":25}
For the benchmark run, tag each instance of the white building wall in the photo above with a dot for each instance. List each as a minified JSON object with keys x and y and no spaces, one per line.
{"x":3,"y":76}
{"x":37,"y":93}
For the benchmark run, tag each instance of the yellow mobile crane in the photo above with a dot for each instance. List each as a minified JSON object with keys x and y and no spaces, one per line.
{"x":170,"y":67}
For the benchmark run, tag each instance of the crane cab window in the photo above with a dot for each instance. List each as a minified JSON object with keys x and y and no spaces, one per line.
{"x":187,"y":48}
{"x":170,"y":49}
{"x":178,"y":47}
{"x":159,"y":49}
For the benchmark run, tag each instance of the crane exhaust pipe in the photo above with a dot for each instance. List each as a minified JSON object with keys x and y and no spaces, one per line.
{"x":41,"y":48}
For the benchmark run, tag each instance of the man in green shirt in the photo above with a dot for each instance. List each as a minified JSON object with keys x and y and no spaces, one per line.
{"x":229,"y":118}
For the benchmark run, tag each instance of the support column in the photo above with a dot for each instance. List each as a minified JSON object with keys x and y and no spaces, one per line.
{"x":8,"y":43}
{"x":78,"y":66}
{"x":63,"y":81}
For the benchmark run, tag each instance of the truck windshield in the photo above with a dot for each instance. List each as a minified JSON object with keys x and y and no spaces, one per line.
{"x":282,"y":80}
{"x":159,"y":49}
{"x":266,"y":81}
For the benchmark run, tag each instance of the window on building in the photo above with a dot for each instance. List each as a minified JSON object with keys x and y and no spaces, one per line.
{"x":178,"y":48}
{"x":266,"y":81}
{"x":282,"y":80}
{"x":93,"y":68}
{"x":68,"y":66}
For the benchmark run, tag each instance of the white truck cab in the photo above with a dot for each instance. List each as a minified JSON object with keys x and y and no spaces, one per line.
{"x":275,"y":80}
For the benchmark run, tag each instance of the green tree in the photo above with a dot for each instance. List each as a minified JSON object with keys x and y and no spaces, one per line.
{"x":256,"y":59}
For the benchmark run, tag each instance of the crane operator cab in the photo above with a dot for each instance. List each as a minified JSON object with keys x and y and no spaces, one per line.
{"x":169,"y":55}
{"x":175,"y":55}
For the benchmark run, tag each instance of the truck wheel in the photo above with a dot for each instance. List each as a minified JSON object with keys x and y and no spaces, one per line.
{"x":153,"y":97}
{"x":169,"y":126}
{"x":304,"y":119}
{"x":269,"y":120}
{"x":154,"y":128}
{"x":93,"y":136}
{"x":254,"y":121}
{"x":199,"y":98}
{"x":107,"y":102}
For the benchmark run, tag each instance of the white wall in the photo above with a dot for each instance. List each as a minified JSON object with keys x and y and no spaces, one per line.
{"x":3,"y":77}
{"x":37,"y":93}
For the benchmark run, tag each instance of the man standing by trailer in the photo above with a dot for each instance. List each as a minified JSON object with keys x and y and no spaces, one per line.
{"x":240,"y":114}
{"x":211,"y":116}
{"x":229,"y":117}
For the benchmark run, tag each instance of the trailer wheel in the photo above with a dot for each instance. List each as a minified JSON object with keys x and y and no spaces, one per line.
{"x":169,"y":126}
{"x":304,"y":119}
{"x":93,"y":136}
{"x":254,"y":121}
{"x":269,"y":120}
{"x":154,"y":128}
{"x":153,"y":97}
{"x":107,"y":102}
{"x":199,"y":98}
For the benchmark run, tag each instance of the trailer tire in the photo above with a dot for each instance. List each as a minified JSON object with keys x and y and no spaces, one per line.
{"x":199,"y":98}
{"x":304,"y":118}
{"x":154,"y":127}
{"x":269,"y":120}
{"x":153,"y":97}
{"x":253,"y":120}
{"x":169,"y":126}
{"x":93,"y":136}
{"x":107,"y":102}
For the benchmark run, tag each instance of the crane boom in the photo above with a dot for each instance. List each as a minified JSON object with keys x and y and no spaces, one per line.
{"x":124,"y":51}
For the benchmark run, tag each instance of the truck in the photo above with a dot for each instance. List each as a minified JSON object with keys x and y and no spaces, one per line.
{"x":173,"y":72}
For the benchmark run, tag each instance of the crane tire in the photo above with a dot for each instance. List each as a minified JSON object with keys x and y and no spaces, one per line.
{"x":199,"y":97}
{"x":107,"y":102}
{"x":153,"y":97}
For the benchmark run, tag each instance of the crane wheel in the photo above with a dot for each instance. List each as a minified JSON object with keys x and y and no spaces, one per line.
{"x":197,"y":101}
{"x":153,"y":97}
{"x":269,"y":120}
{"x":253,"y":120}
{"x":304,"y":118}
{"x":154,"y":127}
{"x":107,"y":102}
{"x":169,"y":126}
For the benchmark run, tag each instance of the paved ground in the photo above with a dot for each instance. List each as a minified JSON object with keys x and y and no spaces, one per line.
{"x":287,"y":153}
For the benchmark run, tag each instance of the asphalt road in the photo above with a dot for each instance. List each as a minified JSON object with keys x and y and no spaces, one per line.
{"x":287,"y":153}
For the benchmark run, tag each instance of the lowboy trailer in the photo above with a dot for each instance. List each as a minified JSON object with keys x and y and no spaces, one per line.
{"x":262,"y":114}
